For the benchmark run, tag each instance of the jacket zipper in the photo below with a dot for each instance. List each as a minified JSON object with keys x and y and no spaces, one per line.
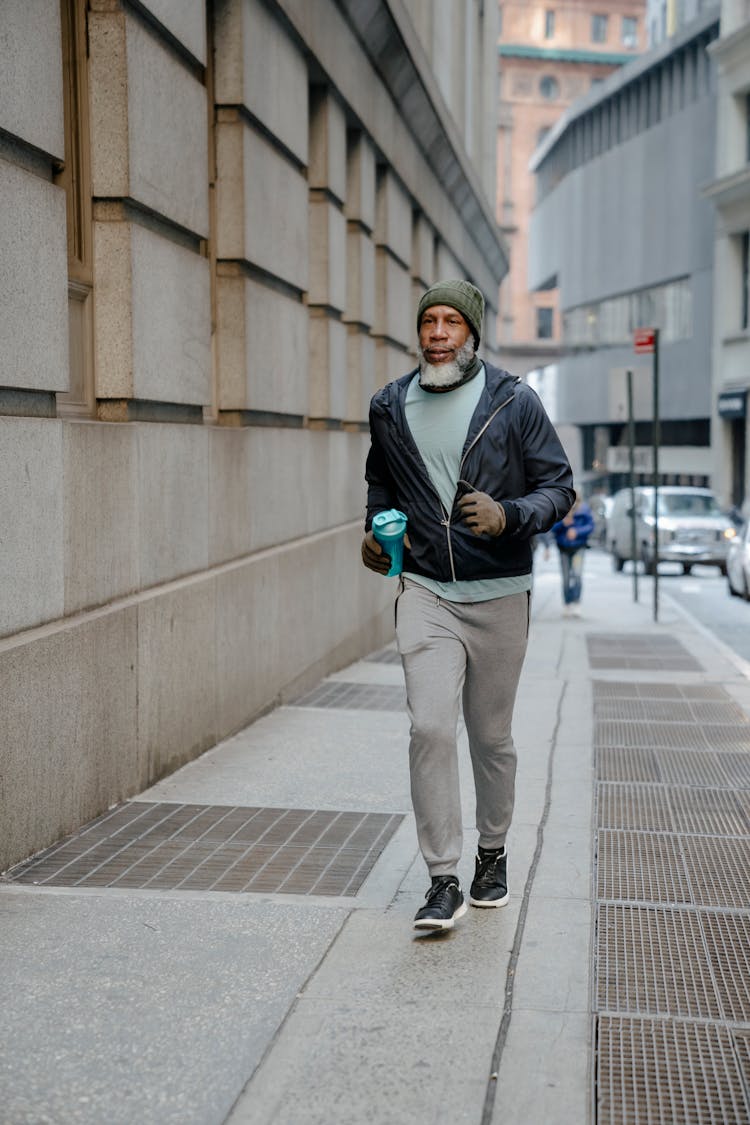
{"x":447,"y":521}
{"x":494,"y":414}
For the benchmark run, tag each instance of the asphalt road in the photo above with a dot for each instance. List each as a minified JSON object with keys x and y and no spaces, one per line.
{"x":705,"y":594}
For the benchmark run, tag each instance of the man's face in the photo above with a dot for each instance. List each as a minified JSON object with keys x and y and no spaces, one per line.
{"x":442,"y":332}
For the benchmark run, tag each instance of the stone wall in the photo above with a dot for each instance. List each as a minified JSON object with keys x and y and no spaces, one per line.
{"x":217,"y":222}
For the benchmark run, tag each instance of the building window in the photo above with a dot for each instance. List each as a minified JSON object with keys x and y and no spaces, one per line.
{"x":75,"y":179}
{"x":549,"y":88}
{"x":599,"y":26}
{"x":630,"y":32}
{"x":745,"y":312}
{"x":544,"y":324}
{"x":549,"y":24}
{"x":499,"y":21}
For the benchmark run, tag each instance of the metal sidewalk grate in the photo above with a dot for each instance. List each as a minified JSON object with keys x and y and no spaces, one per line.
{"x":728,"y":941}
{"x":659,"y":1072}
{"x":647,"y":867}
{"x":672,"y":735}
{"x":619,"y":763}
{"x":683,"y":736}
{"x":340,"y":694}
{"x":711,"y":812}
{"x":651,"y":961}
{"x":718,"y":870}
{"x":640,"y":867}
{"x":736,"y":768}
{"x":716,"y":712}
{"x":609,"y":689}
{"x":627,"y":662}
{"x":742,"y":1046}
{"x":165,"y":846}
{"x":672,"y":878}
{"x":668,"y":711}
{"x":634,"y":806}
{"x":635,"y":642}
{"x":639,"y":651}
{"x":659,"y":808}
{"x":702,"y":768}
{"x":722,"y":737}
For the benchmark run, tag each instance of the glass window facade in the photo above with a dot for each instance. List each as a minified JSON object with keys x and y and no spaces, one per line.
{"x":611,"y":323}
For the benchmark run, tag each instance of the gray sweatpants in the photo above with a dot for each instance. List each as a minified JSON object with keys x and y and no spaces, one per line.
{"x":451,"y":650}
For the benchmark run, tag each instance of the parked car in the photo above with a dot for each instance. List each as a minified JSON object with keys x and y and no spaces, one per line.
{"x":738,"y":563}
{"x":692,"y":528}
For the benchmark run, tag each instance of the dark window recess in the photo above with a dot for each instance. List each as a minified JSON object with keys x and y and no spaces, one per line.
{"x":544,"y":324}
{"x":688,"y":431}
{"x":549,"y":25}
{"x":629,"y":32}
{"x":745,"y":318}
{"x":549,"y":88}
{"x":599,"y":28}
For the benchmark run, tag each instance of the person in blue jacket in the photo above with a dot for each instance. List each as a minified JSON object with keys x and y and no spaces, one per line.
{"x":572,"y":535}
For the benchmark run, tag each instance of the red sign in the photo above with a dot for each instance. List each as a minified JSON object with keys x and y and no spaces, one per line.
{"x":644,"y":341}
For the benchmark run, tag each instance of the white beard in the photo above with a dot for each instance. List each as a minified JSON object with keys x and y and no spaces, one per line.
{"x":446,"y":374}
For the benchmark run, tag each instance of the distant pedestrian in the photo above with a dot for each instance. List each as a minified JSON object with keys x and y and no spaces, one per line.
{"x":468,"y":453}
{"x":572,"y":535}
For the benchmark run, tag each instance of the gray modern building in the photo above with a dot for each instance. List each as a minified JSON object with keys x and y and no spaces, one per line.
{"x":665,"y":18}
{"x":729,"y":192}
{"x":217,"y":217}
{"x":622,"y":228}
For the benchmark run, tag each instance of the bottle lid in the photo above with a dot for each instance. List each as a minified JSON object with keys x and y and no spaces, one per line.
{"x":391,"y":522}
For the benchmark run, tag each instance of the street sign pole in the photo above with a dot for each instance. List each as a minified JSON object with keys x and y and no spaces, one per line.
{"x":646,"y":342}
{"x":656,"y":438}
{"x":631,"y":458}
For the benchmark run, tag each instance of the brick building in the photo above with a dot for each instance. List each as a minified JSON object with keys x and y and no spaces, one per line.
{"x":549,"y":55}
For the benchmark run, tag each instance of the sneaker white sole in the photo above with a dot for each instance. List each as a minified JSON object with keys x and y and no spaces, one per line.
{"x":440,"y":923}
{"x":494,"y":902}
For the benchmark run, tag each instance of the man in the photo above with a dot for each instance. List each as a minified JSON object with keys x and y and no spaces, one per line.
{"x":572,"y":536}
{"x":468,"y":453}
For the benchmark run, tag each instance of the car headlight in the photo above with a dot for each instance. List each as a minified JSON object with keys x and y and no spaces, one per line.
{"x":730,"y":532}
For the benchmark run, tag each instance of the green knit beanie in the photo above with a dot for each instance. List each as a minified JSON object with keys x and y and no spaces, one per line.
{"x":460,"y":295}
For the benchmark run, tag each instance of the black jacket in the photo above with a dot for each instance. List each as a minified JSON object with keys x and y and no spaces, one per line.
{"x":511,"y":452}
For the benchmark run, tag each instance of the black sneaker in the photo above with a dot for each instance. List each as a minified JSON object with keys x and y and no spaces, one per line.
{"x":444,"y":905}
{"x":490,"y":884}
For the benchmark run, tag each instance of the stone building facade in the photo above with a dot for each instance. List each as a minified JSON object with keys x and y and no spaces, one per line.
{"x":550,"y":54}
{"x":217,"y":217}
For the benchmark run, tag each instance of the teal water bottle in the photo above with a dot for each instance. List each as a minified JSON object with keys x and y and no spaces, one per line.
{"x":389,"y":528}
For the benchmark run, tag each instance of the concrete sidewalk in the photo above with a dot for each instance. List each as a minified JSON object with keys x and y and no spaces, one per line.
{"x":126,"y":1003}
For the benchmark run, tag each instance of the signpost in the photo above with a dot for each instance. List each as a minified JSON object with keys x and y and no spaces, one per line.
{"x":646,"y":342}
{"x":631,"y":465}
